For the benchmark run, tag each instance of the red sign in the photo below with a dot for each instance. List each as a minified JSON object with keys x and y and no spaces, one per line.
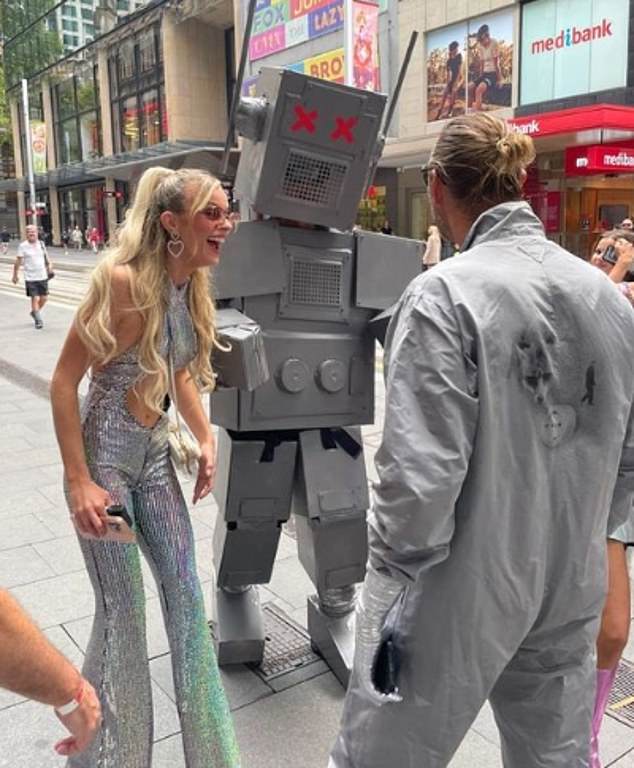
{"x":599,"y":158}
{"x":574,"y":120}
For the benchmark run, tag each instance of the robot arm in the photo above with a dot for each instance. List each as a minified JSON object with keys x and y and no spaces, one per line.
{"x":240,"y":360}
{"x":385,"y":266}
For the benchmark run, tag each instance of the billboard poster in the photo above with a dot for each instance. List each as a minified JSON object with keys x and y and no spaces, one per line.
{"x":571,"y":47}
{"x":470,"y":66}
{"x":365,"y":45}
{"x":38,"y":146}
{"x":285,"y":23}
{"x":327,"y":66}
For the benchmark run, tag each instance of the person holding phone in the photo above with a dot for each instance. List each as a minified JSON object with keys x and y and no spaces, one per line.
{"x":614,"y":255}
{"x":146,"y":320}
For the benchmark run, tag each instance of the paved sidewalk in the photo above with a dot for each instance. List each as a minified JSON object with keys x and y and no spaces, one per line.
{"x":290,"y":722}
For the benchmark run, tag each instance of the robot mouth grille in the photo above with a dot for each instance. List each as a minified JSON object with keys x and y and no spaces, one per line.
{"x":312,"y":180}
{"x":316,"y":283}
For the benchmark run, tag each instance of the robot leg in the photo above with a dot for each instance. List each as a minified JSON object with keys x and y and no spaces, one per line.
{"x":330,"y":500}
{"x":253,"y":489}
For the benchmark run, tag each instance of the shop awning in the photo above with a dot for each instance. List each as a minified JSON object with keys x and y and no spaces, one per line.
{"x":608,"y":122}
{"x":174,"y":154}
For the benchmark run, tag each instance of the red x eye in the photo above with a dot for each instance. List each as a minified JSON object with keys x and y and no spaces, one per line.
{"x":343,"y":129}
{"x":305,"y":120}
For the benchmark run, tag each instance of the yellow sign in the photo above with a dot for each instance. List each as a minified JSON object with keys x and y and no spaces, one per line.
{"x":328,"y":66}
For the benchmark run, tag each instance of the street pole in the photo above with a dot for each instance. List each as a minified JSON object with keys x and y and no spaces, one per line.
{"x":348,"y":44}
{"x":29,"y":149}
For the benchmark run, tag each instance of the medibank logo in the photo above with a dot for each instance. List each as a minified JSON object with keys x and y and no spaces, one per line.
{"x":573,"y":36}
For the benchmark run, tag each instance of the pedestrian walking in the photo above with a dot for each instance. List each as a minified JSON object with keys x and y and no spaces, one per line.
{"x":77,"y":238}
{"x":65,"y":240}
{"x":94,"y":239}
{"x":146,"y":326}
{"x":5,"y":239}
{"x":32,"y":256}
{"x":487,"y":554}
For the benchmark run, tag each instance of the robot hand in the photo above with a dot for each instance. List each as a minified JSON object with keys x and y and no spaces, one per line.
{"x":377,"y":596}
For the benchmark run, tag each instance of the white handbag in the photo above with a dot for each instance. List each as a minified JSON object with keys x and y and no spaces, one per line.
{"x":183,"y":446}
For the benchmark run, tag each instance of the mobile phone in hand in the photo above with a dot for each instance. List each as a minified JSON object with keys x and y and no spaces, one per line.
{"x":118,"y":526}
{"x":609,"y":255}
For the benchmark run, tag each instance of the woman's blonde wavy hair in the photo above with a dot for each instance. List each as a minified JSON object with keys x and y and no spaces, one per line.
{"x":141,"y":244}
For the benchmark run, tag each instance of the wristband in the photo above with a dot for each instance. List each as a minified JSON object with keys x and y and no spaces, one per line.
{"x":73,"y":704}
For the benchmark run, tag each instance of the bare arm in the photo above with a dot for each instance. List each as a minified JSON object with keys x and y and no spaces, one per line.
{"x":32,"y":667}
{"x":29,"y":664}
{"x":191,"y":409}
{"x":16,"y":268}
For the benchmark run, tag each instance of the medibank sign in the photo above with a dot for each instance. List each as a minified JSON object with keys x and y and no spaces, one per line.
{"x":571,"y":47}
{"x":574,"y":36}
{"x":599,"y":158}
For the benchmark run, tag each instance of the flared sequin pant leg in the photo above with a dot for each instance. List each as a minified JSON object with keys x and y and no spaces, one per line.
{"x":116,"y":661}
{"x":132,"y":463}
{"x":167,"y":540}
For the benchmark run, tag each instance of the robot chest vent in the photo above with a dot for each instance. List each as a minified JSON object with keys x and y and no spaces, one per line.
{"x":316,"y":283}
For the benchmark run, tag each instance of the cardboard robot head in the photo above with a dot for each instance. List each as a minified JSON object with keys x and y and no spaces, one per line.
{"x":309,"y":147}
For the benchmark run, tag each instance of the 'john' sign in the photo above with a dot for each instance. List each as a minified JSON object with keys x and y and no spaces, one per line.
{"x":574,"y":47}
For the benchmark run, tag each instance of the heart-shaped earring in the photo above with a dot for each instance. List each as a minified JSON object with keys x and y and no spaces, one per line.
{"x":175,"y":245}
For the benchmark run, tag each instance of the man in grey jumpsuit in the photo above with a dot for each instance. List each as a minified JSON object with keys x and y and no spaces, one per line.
{"x":498,"y":480}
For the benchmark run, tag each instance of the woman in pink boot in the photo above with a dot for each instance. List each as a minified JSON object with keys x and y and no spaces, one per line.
{"x":615,"y":625}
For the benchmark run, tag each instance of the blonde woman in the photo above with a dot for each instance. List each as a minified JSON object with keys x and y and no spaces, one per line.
{"x":148,"y":308}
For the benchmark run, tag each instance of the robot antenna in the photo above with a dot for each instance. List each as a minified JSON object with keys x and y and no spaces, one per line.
{"x":235,"y":100}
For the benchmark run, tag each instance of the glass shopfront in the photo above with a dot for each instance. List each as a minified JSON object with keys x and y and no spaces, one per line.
{"x":139,"y":115}
{"x":77,"y":117}
{"x":83,"y":207}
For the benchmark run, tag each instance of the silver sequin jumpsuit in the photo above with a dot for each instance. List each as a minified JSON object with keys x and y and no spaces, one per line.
{"x":132,"y":463}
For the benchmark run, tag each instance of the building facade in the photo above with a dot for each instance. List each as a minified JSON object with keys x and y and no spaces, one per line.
{"x":132,"y":84}
{"x":564,"y":75}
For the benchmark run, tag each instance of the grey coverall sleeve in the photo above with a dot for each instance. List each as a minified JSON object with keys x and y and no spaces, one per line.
{"x":621,"y":517}
{"x":430,"y":423}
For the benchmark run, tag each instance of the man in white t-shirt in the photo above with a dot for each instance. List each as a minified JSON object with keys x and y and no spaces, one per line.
{"x":34,"y":260}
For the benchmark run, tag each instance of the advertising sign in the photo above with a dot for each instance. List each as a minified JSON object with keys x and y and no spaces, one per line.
{"x":281,"y":24}
{"x":470,"y":66}
{"x":571,"y":47}
{"x":599,"y":158}
{"x":365,"y":45}
{"x":327,"y":66}
{"x":608,"y":116}
{"x":38,"y":145}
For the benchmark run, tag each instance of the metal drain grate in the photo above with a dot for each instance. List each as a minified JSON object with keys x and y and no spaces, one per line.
{"x":287,"y":644}
{"x":621,"y":701}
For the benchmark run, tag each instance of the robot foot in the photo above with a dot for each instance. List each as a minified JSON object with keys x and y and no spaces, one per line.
{"x":237,"y":627}
{"x":333,"y":638}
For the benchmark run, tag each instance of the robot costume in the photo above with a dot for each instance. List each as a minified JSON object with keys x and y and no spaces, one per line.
{"x":500,"y":477}
{"x":298,"y":292}
{"x":131,"y":461}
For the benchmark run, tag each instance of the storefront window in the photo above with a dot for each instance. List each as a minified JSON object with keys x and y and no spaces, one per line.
{"x":147,"y":51}
{"x":372,"y":210}
{"x":129,"y":124}
{"x":69,"y":139}
{"x":150,"y":118}
{"x":137,"y":92}
{"x":83,"y":207}
{"x":77,"y":117}
{"x":126,"y":61}
{"x":89,"y":132}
